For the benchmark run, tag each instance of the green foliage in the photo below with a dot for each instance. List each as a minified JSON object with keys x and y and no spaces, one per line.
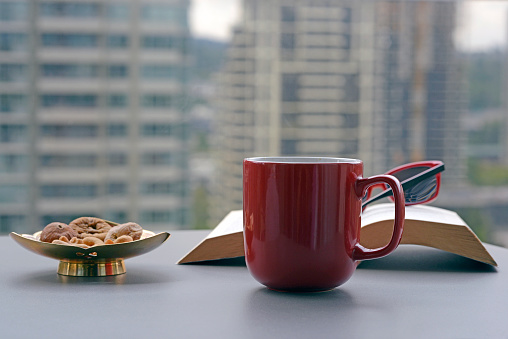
{"x":208,"y":57}
{"x":200,"y":208}
{"x":478,"y":220}
{"x":483,"y":173}
{"x":489,"y":134}
{"x":201,"y":142}
{"x":485,"y":77}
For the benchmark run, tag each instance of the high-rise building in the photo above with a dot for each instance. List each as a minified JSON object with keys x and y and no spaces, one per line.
{"x":289,"y":87}
{"x":412,"y":92}
{"x":92,"y":112}
{"x":374,"y":80}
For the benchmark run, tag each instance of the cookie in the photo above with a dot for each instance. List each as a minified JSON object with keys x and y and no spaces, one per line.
{"x":90,"y":227}
{"x":131,"y":229}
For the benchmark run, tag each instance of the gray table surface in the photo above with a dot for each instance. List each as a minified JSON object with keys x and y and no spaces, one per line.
{"x":415,"y":292}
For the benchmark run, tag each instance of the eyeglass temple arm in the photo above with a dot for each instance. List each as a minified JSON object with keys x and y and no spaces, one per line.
{"x":408,"y":183}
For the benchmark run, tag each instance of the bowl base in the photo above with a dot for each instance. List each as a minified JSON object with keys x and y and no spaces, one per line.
{"x":96,"y":269}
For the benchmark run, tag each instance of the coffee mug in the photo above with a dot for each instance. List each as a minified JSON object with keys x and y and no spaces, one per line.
{"x":302,"y":219}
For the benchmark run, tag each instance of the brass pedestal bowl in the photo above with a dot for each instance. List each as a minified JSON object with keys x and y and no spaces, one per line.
{"x":96,"y":261}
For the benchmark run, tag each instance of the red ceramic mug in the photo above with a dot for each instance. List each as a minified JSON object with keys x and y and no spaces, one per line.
{"x":302,"y":220}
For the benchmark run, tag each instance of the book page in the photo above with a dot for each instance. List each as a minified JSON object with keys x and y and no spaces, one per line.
{"x":232,"y":223}
{"x":386,"y":211}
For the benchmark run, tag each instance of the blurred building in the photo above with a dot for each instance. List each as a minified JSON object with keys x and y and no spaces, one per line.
{"x":412,"y":92}
{"x":374,"y":80}
{"x":92,"y":112}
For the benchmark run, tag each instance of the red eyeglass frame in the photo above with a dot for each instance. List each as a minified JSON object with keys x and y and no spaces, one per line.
{"x":428,"y":163}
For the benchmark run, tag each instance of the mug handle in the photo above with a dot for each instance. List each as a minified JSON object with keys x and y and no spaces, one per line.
{"x":362,"y":184}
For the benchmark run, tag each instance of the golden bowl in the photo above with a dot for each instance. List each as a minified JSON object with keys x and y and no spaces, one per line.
{"x":96,"y":261}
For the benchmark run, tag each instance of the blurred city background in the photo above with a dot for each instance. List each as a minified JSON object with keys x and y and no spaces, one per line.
{"x":143,"y":110}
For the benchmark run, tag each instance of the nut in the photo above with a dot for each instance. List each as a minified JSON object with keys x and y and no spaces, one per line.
{"x":131,"y":229}
{"x":90,"y":227}
{"x":55,"y":230}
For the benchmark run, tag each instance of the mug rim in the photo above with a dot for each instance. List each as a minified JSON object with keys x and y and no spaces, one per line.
{"x":303,"y":160}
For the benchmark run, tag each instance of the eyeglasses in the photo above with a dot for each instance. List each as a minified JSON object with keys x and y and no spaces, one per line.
{"x":420,"y":180}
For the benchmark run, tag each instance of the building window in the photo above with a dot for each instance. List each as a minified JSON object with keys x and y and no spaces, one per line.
{"x":288,"y":147}
{"x":10,"y":42}
{"x":350,"y":147}
{"x":290,"y":87}
{"x":162,"y":72}
{"x":118,"y":71}
{"x":13,"y":193}
{"x":117,"y":188}
{"x":157,"y":71}
{"x":158,"y":216}
{"x":287,"y":41}
{"x":68,"y":191}
{"x":162,"y":42}
{"x":13,"y":11}
{"x":71,"y":100}
{"x":179,"y":159}
{"x":118,"y":41}
{"x":164,"y":13}
{"x":156,"y":159}
{"x":117,"y":12}
{"x":287,"y":13}
{"x":352,"y":91}
{"x":117,"y":159}
{"x":13,"y":163}
{"x":350,"y":120}
{"x":69,"y":131}
{"x":161,"y":188}
{"x":69,"y":161}
{"x":117,"y":130}
{"x":69,"y":9}
{"x":10,"y":103}
{"x":346,"y":15}
{"x":117,"y":100}
{"x":70,"y":70}
{"x":49,"y":218}
{"x":12,"y":222}
{"x":12,"y":72}
{"x":116,"y":216}
{"x":157,"y":130}
{"x":177,"y":216}
{"x":157,"y":101}
{"x":13,"y":133}
{"x":155,"y":188}
{"x":69,"y":40}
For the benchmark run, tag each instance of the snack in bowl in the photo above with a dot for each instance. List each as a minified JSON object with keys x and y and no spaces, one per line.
{"x":55,"y":230}
{"x":86,"y":232}
{"x":123,"y":238}
{"x":91,"y":226}
{"x":131,"y":229}
{"x":90,"y":256}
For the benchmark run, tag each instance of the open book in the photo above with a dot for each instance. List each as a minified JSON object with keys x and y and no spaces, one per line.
{"x":424,"y":225}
